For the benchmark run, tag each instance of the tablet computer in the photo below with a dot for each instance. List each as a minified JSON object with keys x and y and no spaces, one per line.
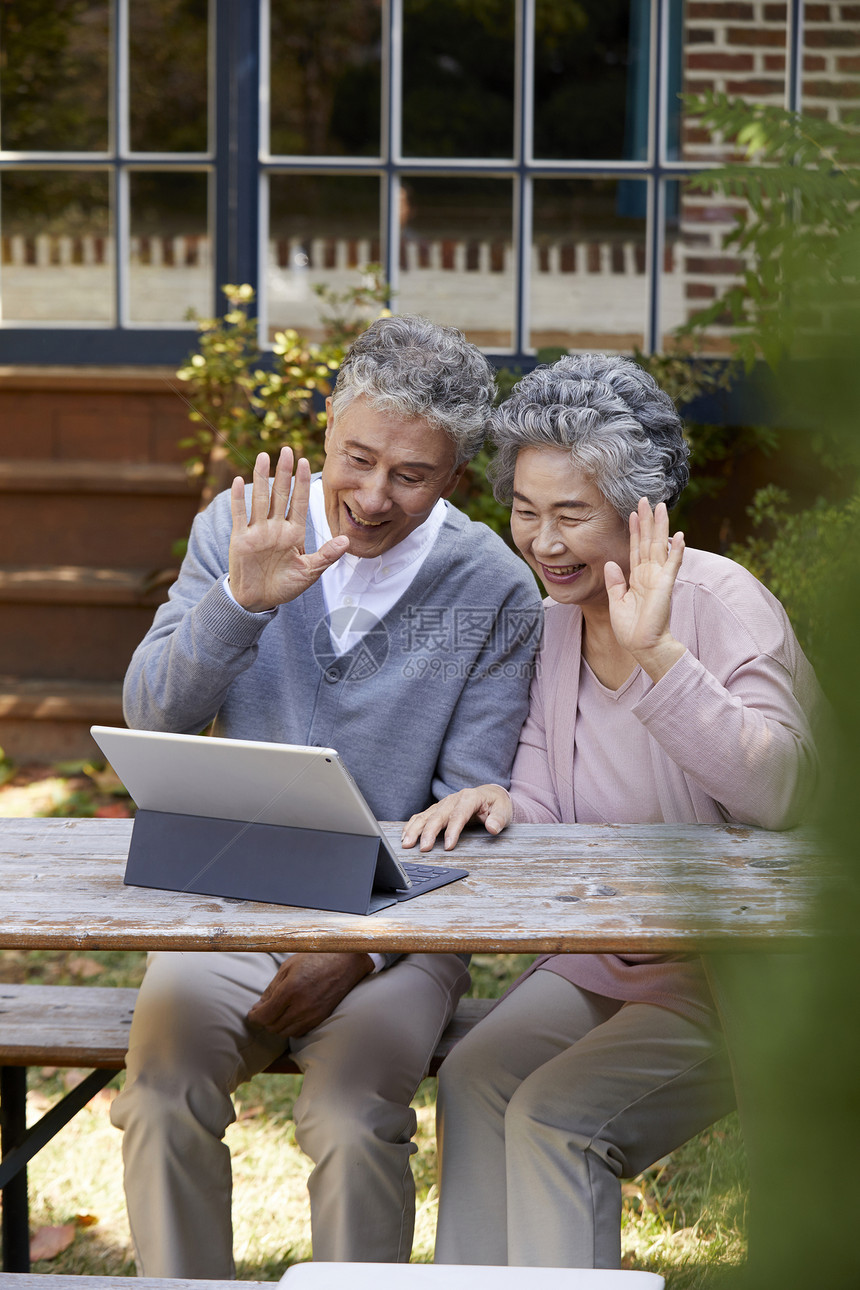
{"x":261,"y":784}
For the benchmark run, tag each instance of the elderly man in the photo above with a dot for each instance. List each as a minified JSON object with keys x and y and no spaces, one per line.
{"x":361,"y":611}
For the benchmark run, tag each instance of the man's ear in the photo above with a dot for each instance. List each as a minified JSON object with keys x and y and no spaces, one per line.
{"x":329,"y":420}
{"x":454,"y":480}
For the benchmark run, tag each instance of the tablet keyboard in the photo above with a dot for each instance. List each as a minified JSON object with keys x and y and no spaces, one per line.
{"x":417,"y":871}
{"x":425,"y":877}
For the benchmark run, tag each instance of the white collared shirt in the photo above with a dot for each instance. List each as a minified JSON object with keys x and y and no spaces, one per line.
{"x":357,"y":582}
{"x":372,"y":584}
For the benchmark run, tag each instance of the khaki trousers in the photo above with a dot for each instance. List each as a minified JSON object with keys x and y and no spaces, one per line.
{"x":547,"y":1104}
{"x":190,"y":1048}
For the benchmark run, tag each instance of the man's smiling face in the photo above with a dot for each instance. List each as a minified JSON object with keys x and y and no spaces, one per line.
{"x":383,"y":475}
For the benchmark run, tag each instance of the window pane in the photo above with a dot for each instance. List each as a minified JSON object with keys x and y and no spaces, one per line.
{"x":169,"y":269}
{"x":321,"y":229}
{"x":591,"y":79}
{"x":697,"y":268}
{"x":458,"y":78}
{"x":168,"y":75}
{"x":54,"y":75}
{"x":456,"y":255}
{"x":325,"y":77}
{"x":741,"y":54}
{"x":58,"y":252}
{"x":589,"y":287}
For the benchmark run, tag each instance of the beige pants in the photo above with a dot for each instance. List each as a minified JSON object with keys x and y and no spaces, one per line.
{"x":190,"y":1048}
{"x":547,"y":1104}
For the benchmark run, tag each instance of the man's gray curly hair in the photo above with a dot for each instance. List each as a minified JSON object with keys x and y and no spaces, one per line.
{"x":411,"y":367}
{"x":622,"y":430}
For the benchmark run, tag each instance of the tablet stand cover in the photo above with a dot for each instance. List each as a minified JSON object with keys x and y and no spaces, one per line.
{"x":311,"y":868}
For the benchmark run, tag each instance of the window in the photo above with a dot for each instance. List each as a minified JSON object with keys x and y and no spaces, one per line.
{"x":517,"y":166}
{"x":106,"y":177}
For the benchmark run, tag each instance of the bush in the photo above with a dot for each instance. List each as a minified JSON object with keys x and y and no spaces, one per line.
{"x":243,"y":404}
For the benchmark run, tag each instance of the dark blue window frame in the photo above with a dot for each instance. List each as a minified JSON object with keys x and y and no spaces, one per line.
{"x":237,"y":171}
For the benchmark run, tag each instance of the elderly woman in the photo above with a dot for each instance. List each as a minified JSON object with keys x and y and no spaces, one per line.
{"x":670,"y":688}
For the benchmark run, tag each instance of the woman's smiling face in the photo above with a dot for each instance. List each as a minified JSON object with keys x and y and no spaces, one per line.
{"x":564,"y":527}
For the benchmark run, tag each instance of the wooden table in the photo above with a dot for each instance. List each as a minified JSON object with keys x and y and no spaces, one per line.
{"x":577,"y":888}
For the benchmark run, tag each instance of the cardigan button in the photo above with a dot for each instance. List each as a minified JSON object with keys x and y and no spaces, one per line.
{"x":332,"y":675}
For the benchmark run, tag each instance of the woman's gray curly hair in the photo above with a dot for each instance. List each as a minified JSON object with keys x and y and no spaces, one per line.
{"x":622,"y":430}
{"x":412,"y":367}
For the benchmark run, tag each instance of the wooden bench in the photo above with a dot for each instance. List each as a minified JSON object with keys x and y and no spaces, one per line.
{"x":86,"y":1026}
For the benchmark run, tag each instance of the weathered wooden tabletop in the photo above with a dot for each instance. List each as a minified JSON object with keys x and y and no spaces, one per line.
{"x":534,"y":888}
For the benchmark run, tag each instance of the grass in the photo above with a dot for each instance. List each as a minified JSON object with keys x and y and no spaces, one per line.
{"x":684,"y":1218}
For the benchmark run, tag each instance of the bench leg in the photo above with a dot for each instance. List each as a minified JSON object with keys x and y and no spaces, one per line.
{"x":20,"y":1144}
{"x":13,"y":1127}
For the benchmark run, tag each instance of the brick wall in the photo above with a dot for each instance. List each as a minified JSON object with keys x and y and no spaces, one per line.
{"x":739,"y":47}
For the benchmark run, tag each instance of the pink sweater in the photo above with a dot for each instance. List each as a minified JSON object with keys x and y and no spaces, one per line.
{"x":731,"y":729}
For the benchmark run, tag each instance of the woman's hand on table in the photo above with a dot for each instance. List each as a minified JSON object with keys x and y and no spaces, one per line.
{"x":489,"y":803}
{"x":640,"y":608}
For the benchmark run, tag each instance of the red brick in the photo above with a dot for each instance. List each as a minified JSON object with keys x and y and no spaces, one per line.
{"x":694,"y":134}
{"x":775,"y":12}
{"x":835,"y":38}
{"x":774,"y":62}
{"x":816,"y":13}
{"x":814,"y":63}
{"x":721,"y":264}
{"x":722,"y":12}
{"x":699,"y":36}
{"x":692,"y":85}
{"x":700,"y":291}
{"x":849,"y":12}
{"x":759,"y":88}
{"x":694,"y":158}
{"x":756,"y":36}
{"x":717,"y":62}
{"x":709,"y":214}
{"x":832,"y":89}
{"x":848,"y":63}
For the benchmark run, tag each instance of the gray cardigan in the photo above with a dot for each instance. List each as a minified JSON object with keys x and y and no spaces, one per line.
{"x":430,"y":701}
